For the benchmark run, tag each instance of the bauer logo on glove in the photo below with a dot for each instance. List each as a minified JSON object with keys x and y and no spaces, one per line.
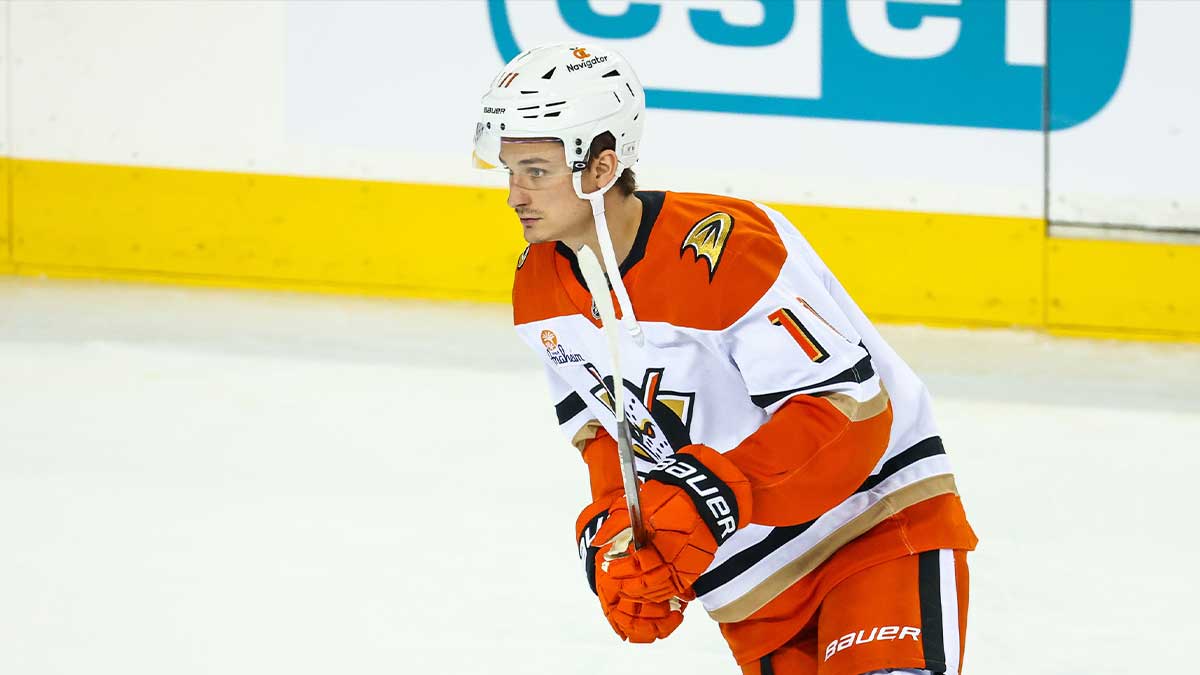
{"x":713,"y":498}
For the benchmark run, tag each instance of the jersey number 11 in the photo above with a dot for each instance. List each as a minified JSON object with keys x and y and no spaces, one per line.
{"x":787,"y":319}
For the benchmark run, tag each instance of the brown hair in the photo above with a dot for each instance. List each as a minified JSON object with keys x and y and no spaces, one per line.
{"x":627,"y":183}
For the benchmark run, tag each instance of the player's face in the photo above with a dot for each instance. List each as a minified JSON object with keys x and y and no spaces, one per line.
{"x":540,"y":191}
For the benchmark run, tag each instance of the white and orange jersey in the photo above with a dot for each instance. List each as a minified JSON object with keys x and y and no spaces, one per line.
{"x":742,"y":318}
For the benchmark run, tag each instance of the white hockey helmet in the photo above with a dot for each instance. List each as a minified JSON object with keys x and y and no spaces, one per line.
{"x":569,"y":92}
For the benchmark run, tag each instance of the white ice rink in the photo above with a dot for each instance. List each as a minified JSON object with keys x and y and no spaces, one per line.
{"x":199,"y":481}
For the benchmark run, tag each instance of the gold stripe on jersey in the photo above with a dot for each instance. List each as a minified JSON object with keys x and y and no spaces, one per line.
{"x":855,"y":410}
{"x":757,"y":597}
{"x":586,"y":433}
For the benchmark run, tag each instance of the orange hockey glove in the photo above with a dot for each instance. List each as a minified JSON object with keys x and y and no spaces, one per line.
{"x":642,"y":620}
{"x":691,"y":503}
{"x":587,"y":525}
{"x":633,"y":620}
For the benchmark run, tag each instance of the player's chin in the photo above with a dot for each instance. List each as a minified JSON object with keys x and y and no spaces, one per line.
{"x":536,"y":233}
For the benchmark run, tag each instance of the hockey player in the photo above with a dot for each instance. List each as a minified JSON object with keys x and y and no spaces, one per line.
{"x":793,"y":479}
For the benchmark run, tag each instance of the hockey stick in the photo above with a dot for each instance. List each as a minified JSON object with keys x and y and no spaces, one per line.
{"x":597,"y":285}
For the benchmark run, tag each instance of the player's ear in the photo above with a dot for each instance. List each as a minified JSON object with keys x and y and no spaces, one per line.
{"x":604,"y":167}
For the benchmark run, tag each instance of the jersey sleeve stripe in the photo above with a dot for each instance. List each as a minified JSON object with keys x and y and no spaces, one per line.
{"x":929,"y":447}
{"x":773,"y":579}
{"x":859,"y":373}
{"x":855,"y":410}
{"x":929,"y":585}
{"x":569,"y":407}
{"x":744,"y":560}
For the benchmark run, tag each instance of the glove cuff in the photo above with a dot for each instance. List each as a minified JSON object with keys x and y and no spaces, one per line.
{"x":717,"y":488}
{"x":586,"y":527}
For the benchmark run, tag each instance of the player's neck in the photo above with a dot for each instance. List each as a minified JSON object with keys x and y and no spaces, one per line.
{"x":623,"y":214}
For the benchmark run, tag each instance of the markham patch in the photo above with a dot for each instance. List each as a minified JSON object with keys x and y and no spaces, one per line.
{"x":556,"y":352}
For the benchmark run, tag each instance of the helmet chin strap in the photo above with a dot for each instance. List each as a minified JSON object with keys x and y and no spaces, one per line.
{"x":596,"y":199}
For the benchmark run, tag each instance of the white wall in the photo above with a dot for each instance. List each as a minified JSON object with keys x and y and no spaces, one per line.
{"x":390,"y":91}
{"x":1135,"y":163}
{"x":178,"y":84}
{"x":5,"y":64}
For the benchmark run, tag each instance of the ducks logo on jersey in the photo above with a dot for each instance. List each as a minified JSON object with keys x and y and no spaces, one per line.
{"x":707,"y":240}
{"x":659,"y":420}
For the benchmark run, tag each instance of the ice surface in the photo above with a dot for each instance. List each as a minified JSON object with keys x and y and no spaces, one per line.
{"x":200,"y":481}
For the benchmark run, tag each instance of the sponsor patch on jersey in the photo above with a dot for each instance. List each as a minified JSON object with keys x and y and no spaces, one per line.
{"x":707,"y":240}
{"x":521,"y":260}
{"x":558,"y":353}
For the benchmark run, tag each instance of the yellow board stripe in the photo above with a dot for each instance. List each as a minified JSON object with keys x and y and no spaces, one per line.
{"x":1102,"y":286}
{"x":969,"y":270}
{"x":6,"y":265}
{"x":379,"y":238}
{"x":264,"y":230}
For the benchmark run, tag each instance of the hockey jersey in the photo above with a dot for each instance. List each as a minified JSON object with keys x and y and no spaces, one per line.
{"x":745,"y":326}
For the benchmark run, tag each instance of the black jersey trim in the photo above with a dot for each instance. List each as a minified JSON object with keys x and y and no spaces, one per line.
{"x":927,"y":448}
{"x":744,"y":560}
{"x":858,"y":373}
{"x":652,"y":203}
{"x":569,"y":407}
{"x":751,"y":556}
{"x":929,"y":585}
{"x":566,"y":252}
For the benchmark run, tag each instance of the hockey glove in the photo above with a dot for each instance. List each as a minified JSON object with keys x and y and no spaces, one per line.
{"x":633,"y":620}
{"x":691,"y":503}
{"x":587,"y":525}
{"x":642,"y":620}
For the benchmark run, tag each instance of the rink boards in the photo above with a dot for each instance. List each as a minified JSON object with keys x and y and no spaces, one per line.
{"x":324,"y":146}
{"x":447,"y":242}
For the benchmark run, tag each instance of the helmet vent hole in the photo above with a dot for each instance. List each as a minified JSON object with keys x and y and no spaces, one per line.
{"x":617,"y":97}
{"x":630,"y":90}
{"x":528,"y":92}
{"x":529,"y":107}
{"x":551,"y":105}
{"x":549,"y":73}
{"x":556,"y":113}
{"x":611,"y":73}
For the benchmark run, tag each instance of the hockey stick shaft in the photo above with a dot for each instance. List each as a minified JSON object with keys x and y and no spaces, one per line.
{"x":597,"y":284}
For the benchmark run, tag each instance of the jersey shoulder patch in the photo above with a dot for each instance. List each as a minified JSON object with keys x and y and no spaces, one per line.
{"x":708,"y":261}
{"x":707,"y":240}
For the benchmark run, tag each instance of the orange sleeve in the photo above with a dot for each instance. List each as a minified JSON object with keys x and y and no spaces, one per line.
{"x":808,"y":458}
{"x":604,"y":465}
